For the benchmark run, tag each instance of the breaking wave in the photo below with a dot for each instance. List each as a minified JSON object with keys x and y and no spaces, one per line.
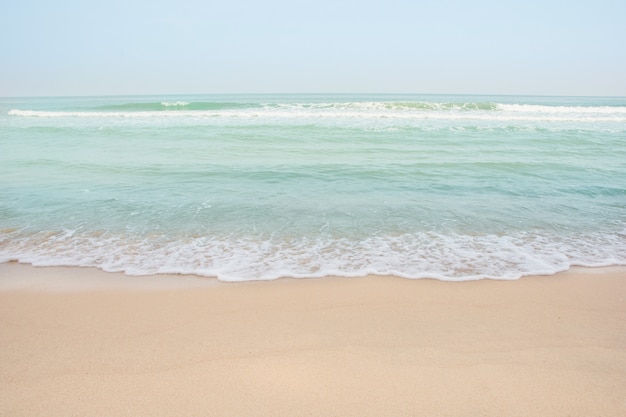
{"x":423,"y":255}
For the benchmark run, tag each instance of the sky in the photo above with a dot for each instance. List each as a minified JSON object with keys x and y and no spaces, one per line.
{"x":114,"y":47}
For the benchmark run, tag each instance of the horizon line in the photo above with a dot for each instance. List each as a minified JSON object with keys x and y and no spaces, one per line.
{"x":311,"y":94}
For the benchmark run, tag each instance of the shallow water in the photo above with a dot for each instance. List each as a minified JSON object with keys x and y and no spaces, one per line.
{"x":264,"y":186}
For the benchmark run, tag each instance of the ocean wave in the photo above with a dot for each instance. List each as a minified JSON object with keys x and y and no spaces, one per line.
{"x":577,"y":110}
{"x":307,"y":114}
{"x":362,"y":114}
{"x":174,"y":103}
{"x":168,"y":106}
{"x":449,"y":257}
{"x":386,"y":106}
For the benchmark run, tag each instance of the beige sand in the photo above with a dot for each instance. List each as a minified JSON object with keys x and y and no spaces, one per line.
{"x":375,"y":346}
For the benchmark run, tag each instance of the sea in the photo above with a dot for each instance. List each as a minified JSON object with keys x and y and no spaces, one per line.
{"x":259,"y":187}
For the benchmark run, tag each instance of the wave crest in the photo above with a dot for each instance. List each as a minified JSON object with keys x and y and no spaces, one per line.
{"x":174,"y":103}
{"x":309,"y":112}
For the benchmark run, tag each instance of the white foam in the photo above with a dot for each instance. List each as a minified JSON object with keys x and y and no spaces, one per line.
{"x":450,"y":257}
{"x":174,"y":103}
{"x":359,"y":111}
{"x":360,"y":117}
{"x":534,"y":108}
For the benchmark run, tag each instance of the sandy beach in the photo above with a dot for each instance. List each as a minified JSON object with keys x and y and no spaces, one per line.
{"x":81,"y":342}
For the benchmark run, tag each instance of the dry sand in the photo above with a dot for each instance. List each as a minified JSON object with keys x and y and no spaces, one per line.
{"x":374,"y":346}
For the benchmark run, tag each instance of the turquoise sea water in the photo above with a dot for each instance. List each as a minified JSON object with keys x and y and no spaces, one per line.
{"x":248,"y":187}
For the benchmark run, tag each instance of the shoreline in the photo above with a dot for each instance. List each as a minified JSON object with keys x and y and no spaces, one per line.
{"x":370,"y":346}
{"x":18,"y":276}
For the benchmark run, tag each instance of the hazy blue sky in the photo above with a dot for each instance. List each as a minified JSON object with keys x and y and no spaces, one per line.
{"x":79,"y":47}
